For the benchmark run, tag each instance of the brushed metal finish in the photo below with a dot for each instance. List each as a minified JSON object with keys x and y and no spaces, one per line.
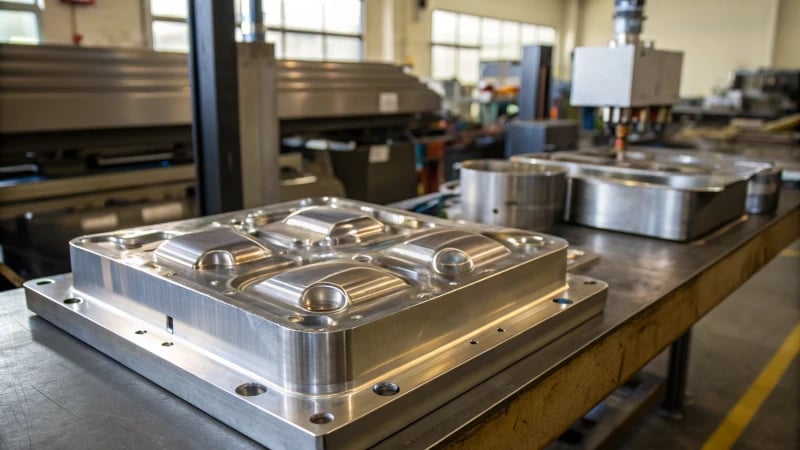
{"x":764,"y":177}
{"x":52,"y":87}
{"x":670,"y":205}
{"x":318,"y":323}
{"x":513,"y":194}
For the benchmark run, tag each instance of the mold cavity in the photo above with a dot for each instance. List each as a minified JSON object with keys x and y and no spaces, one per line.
{"x":451,"y":261}
{"x":323,"y":297}
{"x":562,"y":301}
{"x":43,"y":282}
{"x":321,"y":418}
{"x":72,"y":300}
{"x":251,"y":389}
{"x":170,"y":328}
{"x":141,"y":332}
{"x":386,"y":388}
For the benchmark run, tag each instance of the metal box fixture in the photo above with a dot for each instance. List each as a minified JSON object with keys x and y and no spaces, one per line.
{"x":319,"y":323}
{"x":625,"y":76}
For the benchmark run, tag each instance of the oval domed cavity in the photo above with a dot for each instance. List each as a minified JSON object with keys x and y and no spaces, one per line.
{"x":452,"y":261}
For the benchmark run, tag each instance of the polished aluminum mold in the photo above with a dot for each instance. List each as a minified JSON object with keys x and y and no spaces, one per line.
{"x":646,"y":199}
{"x":319,"y":323}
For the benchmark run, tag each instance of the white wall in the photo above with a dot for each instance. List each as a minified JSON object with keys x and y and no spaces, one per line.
{"x":716,"y":36}
{"x":107,"y":23}
{"x":786,"y":53}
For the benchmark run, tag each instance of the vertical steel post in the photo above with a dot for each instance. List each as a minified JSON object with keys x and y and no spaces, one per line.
{"x":215,"y":105}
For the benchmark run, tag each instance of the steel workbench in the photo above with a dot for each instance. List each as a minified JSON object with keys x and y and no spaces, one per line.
{"x":57,"y":392}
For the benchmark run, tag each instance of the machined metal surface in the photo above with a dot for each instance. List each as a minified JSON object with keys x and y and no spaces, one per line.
{"x":671,"y":205}
{"x":50,"y":87}
{"x":56,"y":390}
{"x":764,"y":177}
{"x":513,"y":194}
{"x":317,"y":323}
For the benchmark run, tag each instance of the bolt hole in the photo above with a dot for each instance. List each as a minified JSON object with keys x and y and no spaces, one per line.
{"x":321,"y":418}
{"x":590,"y":282}
{"x":43,"y":282}
{"x":501,"y":330}
{"x":141,"y":332}
{"x":495,"y":211}
{"x":167,"y":344}
{"x":386,"y":388}
{"x":251,"y":389}
{"x":72,"y":300}
{"x":562,"y":301}
{"x":473,"y":342}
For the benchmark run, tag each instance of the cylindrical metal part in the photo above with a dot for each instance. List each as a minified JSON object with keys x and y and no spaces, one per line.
{"x":628,"y":20}
{"x":254,"y":19}
{"x":512,"y":193}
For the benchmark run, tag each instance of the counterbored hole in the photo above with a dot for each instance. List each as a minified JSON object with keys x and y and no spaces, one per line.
{"x":251,"y":389}
{"x":170,"y":328}
{"x":167,"y":344}
{"x":386,"y":388}
{"x":321,"y":418}
{"x":141,"y":332}
{"x":72,"y":300}
{"x":43,"y":282}
{"x":562,"y":301}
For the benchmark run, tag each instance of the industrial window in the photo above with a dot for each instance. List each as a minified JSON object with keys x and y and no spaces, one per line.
{"x":329,"y":30}
{"x":460,"y":41}
{"x":19,"y":21}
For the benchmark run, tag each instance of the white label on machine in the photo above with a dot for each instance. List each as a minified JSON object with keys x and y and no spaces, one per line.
{"x":388,"y":102}
{"x":379,"y":154}
{"x":96,"y":223}
{"x":160,"y":213}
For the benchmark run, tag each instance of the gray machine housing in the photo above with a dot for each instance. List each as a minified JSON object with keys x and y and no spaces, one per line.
{"x":626,"y":76}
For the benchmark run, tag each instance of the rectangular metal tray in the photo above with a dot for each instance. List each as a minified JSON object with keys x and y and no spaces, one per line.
{"x":764,"y":177}
{"x":318,"y":323}
{"x":678,"y":205}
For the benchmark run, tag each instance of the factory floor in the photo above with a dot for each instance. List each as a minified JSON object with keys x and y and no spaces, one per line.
{"x":731,"y":348}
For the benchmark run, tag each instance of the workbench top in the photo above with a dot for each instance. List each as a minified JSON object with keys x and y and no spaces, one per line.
{"x":57,"y":392}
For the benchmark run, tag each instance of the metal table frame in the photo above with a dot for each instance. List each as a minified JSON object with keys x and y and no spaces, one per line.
{"x":56,"y":391}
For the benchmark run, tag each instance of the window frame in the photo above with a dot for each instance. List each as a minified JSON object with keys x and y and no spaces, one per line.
{"x":34,"y":7}
{"x":149,"y":18}
{"x":456,"y":46}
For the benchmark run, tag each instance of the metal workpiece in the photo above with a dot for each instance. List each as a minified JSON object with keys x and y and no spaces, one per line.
{"x":764,"y":177}
{"x":322,"y":323}
{"x":651,"y":199}
{"x":512,"y":193}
